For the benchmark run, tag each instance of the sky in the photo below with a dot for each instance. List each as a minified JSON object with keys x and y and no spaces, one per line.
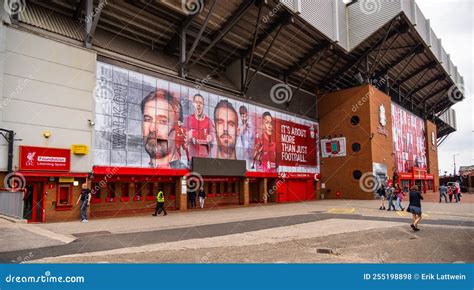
{"x":452,"y":21}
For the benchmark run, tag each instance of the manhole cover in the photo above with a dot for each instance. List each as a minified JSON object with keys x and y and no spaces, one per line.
{"x":91,"y":234}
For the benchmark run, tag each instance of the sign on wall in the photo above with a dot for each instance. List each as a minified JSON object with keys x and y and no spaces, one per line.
{"x":335,"y":147}
{"x":409,"y":143}
{"x":142,"y":121}
{"x":44,"y":159}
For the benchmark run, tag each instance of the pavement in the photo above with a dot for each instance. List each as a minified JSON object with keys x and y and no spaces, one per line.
{"x":291,"y":231}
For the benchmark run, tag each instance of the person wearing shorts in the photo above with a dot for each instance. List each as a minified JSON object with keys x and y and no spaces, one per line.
{"x":415,"y":207}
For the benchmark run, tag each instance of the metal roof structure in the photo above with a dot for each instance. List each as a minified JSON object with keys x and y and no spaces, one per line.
{"x":269,"y":37}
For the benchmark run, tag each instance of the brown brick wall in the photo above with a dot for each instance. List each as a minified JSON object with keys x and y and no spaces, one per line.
{"x":432,"y":153}
{"x":382,"y":145}
{"x":336,"y":110}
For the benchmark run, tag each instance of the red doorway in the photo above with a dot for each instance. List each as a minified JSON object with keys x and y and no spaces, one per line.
{"x":33,"y":201}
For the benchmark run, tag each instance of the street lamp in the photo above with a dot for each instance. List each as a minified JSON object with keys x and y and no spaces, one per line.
{"x":454,"y":161}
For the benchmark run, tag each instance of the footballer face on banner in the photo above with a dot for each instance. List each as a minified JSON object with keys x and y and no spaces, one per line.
{"x":226,"y":123}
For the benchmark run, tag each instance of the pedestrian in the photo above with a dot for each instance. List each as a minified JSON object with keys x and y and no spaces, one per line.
{"x":84,"y":198}
{"x":160,"y":203}
{"x":450,"y":193}
{"x":399,"y":193}
{"x":202,"y":197}
{"x":192,"y":198}
{"x":390,"y":197}
{"x":381,"y":193}
{"x":457,"y":192}
{"x":415,"y":206}
{"x":443,"y":190}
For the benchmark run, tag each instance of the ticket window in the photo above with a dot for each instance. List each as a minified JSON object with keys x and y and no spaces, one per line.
{"x":64,"y":196}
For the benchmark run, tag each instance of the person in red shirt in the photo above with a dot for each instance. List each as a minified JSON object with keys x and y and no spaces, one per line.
{"x":199,"y":129}
{"x":181,"y":141}
{"x":258,"y":152}
{"x":266,"y":147}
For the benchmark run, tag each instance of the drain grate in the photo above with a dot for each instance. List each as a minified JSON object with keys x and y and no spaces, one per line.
{"x":326,"y":251}
{"x":91,"y":234}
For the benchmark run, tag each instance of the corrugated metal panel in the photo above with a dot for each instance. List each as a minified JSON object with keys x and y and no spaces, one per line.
{"x":292,"y":4}
{"x":449,"y":117}
{"x":444,"y":59}
{"x":435,"y":44}
{"x":407,"y":7}
{"x":421,"y":24}
{"x":452,"y":68}
{"x":342,"y":18}
{"x":320,"y":14}
{"x":365,"y":17}
{"x":54,"y":22}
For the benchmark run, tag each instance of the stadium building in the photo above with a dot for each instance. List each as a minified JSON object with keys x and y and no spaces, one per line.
{"x":256,"y":101}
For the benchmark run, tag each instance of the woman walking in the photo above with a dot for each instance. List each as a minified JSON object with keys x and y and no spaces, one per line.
{"x":450,"y":193}
{"x":399,"y":194}
{"x":415,"y":207}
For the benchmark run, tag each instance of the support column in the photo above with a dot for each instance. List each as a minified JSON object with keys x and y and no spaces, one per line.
{"x":263,"y":190}
{"x":244,"y":197}
{"x":181,"y":197}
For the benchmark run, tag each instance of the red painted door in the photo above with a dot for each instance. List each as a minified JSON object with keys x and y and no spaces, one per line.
{"x":296,"y":190}
{"x":33,"y":202}
{"x":282,"y":192}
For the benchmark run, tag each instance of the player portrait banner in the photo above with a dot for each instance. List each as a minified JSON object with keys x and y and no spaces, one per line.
{"x":335,"y":147}
{"x":143,"y":121}
{"x":409,"y":142}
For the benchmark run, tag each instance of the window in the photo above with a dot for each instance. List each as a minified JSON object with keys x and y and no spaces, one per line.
{"x":138,"y":189}
{"x":355,"y":147}
{"x":357,"y":174}
{"x":111,"y":190}
{"x":355,"y":120}
{"x":64,"y":195}
{"x":125,"y":189}
{"x":95,"y":190}
{"x":429,"y":185}
{"x":149,"y":189}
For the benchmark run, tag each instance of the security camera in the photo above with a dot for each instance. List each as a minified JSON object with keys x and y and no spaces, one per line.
{"x":91,"y":123}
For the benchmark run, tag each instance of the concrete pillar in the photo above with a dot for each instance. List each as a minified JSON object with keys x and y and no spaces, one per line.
{"x":263,"y":190}
{"x":181,"y":197}
{"x":244,"y":192}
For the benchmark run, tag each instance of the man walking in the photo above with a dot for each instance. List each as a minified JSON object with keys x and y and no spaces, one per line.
{"x":443,"y":190}
{"x":202,"y":197}
{"x":390,"y":197}
{"x":84,"y":198}
{"x":160,"y":203}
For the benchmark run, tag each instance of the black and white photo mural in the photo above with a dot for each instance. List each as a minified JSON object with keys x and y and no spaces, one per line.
{"x":143,"y":121}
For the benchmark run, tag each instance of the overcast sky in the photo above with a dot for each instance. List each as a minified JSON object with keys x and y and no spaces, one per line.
{"x":451,"y":21}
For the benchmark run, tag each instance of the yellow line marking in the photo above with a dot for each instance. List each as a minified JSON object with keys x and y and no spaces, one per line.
{"x":404,"y":214}
{"x":341,"y":210}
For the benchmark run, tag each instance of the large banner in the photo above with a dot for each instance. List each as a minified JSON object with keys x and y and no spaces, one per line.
{"x":409,"y":144}
{"x":141,"y":121}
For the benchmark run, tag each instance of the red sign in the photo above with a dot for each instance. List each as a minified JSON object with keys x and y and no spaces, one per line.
{"x":296,"y":144}
{"x":45,"y":159}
